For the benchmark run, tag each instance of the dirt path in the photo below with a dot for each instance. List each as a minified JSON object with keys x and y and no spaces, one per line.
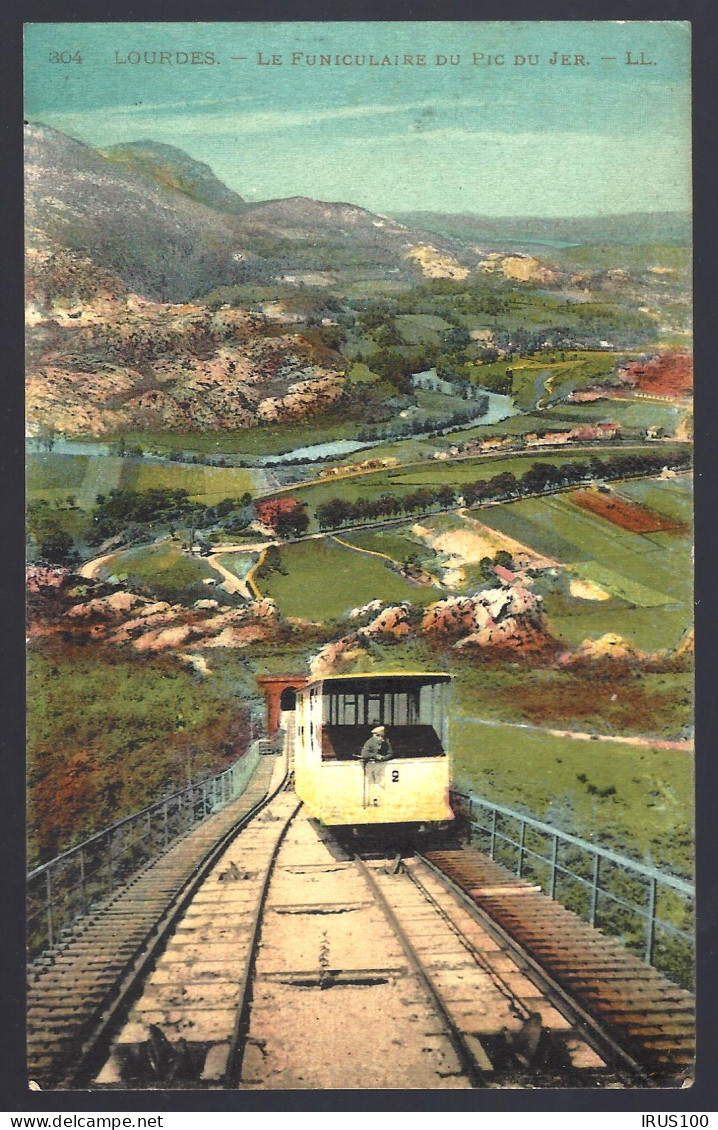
{"x":230,"y":581}
{"x":91,"y":569}
{"x":644,"y":743}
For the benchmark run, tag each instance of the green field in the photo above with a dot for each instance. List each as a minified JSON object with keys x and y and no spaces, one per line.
{"x":649,"y":817}
{"x":163,"y":566}
{"x":633,"y":415}
{"x":547,"y":378}
{"x":672,"y":497}
{"x":206,"y":484}
{"x":271,"y":439}
{"x":348,"y":579}
{"x":405,"y":450}
{"x":416,"y":329}
{"x":649,"y":576}
{"x":394,"y":543}
{"x":55,"y":475}
{"x":47,"y":473}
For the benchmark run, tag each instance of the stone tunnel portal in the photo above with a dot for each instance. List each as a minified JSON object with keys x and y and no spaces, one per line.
{"x":280,"y":693}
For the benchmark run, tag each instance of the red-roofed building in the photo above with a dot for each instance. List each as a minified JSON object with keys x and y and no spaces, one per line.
{"x":270,"y":510}
{"x":504,"y":574}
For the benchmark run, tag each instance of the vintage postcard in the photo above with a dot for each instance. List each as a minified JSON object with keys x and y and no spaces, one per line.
{"x":359,"y":528}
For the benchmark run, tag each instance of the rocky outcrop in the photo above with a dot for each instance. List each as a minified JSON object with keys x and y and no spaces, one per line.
{"x":523,"y":268}
{"x":393,"y":623}
{"x":500,"y":623}
{"x":436,"y":264}
{"x":98,"y":367}
{"x":503,"y":621}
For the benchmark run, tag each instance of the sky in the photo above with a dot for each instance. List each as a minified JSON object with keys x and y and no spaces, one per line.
{"x":610,"y":134}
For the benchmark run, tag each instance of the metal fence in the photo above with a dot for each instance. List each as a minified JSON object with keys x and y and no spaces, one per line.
{"x":651,"y":911}
{"x":60,"y":891}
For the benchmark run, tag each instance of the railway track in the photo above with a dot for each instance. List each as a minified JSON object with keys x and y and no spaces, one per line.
{"x":78,"y":987}
{"x":647,"y":1020}
{"x":275,"y":953}
{"x":265,"y":953}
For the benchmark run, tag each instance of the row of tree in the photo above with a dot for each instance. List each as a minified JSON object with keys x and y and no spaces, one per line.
{"x":505,"y":485}
{"x":116,"y":511}
{"x":337,"y":512}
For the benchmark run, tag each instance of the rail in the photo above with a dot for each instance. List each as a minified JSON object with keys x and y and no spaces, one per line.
{"x":650,"y":910}
{"x":64,"y":888}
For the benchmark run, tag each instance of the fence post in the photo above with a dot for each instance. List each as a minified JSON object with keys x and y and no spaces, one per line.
{"x":83,"y":892}
{"x":554,"y":857}
{"x":492,"y":846}
{"x":594,"y":889}
{"x":522,"y":834}
{"x":651,"y":923}
{"x":48,"y":907}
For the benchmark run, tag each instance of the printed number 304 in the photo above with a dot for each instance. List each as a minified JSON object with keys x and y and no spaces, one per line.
{"x":65,"y":57}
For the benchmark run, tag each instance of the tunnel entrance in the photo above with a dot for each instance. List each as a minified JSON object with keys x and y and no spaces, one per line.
{"x":280,"y":693}
{"x":288,"y":699}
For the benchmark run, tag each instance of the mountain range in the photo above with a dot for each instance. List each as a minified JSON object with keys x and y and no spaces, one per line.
{"x":159,"y":298}
{"x":168,"y":229}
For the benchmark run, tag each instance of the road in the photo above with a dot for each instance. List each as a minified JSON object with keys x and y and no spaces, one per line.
{"x":686,"y":746}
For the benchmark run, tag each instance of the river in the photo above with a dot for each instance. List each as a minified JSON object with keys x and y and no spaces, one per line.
{"x":499,"y":408}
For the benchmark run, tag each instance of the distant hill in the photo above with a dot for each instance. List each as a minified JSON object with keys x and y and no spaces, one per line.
{"x":158,"y":241}
{"x":332,"y":235}
{"x":164,"y":225}
{"x":174,"y":169}
{"x":631,"y":229}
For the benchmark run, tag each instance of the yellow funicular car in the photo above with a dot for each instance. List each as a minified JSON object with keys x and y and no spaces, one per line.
{"x":373,"y":749}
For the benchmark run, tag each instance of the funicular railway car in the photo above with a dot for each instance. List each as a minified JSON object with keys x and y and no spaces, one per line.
{"x":373,"y":749}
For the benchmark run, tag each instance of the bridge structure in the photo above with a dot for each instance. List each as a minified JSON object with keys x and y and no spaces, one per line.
{"x":234,"y":957}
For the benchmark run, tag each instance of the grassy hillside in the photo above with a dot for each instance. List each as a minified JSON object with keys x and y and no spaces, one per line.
{"x":110,"y":732}
{"x":322,"y":579}
{"x":648,"y":816}
{"x":162,"y":569}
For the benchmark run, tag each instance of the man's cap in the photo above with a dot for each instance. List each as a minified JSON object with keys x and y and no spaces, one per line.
{"x":378,"y":730}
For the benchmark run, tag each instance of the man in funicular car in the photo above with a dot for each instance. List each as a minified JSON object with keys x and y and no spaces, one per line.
{"x":376,"y":747}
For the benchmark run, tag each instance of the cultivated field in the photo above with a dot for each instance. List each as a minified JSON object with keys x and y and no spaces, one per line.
{"x":536,"y":382}
{"x":402,"y":480}
{"x":624,"y":513}
{"x":55,"y":475}
{"x":647,"y":577}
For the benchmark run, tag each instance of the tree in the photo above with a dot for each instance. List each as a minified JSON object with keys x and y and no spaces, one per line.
{"x":445,"y":496}
{"x":57,"y":547}
{"x":502,"y":485}
{"x":47,"y":437}
{"x":292,"y":524}
{"x":272,"y":562}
